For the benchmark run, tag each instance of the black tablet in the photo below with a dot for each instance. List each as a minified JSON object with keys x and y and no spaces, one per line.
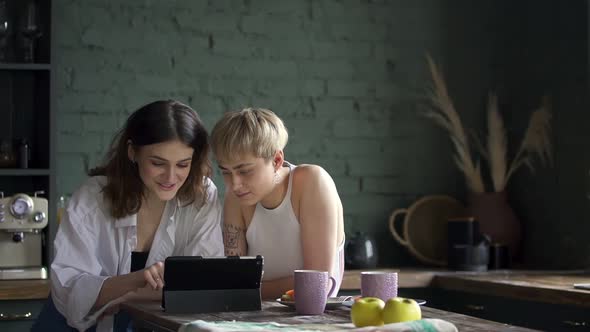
{"x":195,"y":284}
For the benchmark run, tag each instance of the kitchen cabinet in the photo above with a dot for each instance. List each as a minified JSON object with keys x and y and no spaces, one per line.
{"x":27,"y":122}
{"x":530,"y":314}
{"x":21,"y":302}
{"x":19,"y":315}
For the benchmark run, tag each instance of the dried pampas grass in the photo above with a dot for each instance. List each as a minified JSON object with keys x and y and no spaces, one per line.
{"x":444,"y":114}
{"x":536,"y":141}
{"x":496,"y":147}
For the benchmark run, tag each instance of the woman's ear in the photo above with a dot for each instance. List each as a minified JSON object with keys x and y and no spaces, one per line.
{"x":278,"y":160}
{"x":130,"y":151}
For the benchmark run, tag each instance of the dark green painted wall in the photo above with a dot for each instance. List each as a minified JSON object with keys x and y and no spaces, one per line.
{"x":548,"y":54}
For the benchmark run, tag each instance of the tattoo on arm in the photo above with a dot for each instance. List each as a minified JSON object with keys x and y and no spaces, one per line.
{"x":233,"y":237}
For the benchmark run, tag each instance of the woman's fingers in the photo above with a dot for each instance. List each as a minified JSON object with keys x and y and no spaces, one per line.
{"x":159,"y":267}
{"x":149,"y":278}
{"x":154,"y":275}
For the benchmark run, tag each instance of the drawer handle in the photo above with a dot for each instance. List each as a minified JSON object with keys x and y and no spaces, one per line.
{"x":572,"y":323}
{"x":15,"y":316}
{"x":475,"y":307}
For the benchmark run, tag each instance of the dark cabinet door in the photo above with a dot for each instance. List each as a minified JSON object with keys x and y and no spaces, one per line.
{"x":19,"y":315}
{"x":534,"y":315}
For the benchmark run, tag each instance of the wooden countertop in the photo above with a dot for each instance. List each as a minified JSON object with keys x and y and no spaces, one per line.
{"x":24,"y":289}
{"x":542,"y":286}
{"x":549,"y":287}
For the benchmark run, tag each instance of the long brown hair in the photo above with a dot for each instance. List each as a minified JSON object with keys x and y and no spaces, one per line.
{"x":157,"y":122}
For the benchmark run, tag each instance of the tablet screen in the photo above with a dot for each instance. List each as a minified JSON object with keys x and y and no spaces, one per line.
{"x":209,"y":273}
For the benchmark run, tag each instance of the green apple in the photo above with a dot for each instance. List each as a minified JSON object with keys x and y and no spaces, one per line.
{"x":366,"y":311}
{"x":399,"y":309}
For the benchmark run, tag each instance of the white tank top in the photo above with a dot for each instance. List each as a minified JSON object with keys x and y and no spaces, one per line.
{"x":276,"y":235}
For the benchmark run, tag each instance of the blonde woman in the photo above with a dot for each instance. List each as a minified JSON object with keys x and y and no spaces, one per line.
{"x":291,"y":215}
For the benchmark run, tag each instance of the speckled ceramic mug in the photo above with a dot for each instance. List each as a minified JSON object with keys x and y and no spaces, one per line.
{"x":379,"y":284}
{"x":311,"y":291}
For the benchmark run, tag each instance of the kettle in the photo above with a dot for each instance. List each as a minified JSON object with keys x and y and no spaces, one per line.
{"x":360,"y":252}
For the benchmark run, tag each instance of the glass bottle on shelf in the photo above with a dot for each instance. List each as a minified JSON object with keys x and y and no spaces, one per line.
{"x":62,"y":204}
{"x":24,"y":153}
{"x":5,"y":27}
{"x":30,"y":30}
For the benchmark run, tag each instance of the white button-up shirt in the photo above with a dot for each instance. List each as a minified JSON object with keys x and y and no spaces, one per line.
{"x":91,"y":246}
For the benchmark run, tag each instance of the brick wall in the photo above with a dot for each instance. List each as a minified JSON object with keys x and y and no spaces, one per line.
{"x":346,"y":76}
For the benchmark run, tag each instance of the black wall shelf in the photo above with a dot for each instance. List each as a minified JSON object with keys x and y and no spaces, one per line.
{"x":27,"y":110}
{"x":23,"y":172}
{"x":25,"y":66}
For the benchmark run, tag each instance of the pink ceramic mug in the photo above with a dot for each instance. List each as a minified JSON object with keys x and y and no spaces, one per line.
{"x":311,"y":291}
{"x":379,"y":284}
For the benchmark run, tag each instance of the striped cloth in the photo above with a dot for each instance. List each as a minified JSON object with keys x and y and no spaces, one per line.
{"x":422,"y":325}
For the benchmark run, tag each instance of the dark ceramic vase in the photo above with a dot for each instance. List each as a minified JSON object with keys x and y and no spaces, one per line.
{"x":360,"y":252}
{"x":497,"y":219}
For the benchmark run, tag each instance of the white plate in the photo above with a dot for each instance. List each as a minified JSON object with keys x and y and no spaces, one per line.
{"x":333,"y":302}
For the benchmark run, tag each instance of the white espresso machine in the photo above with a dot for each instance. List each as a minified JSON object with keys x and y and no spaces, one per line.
{"x":22,"y":219}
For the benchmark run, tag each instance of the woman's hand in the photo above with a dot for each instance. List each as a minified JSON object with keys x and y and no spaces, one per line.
{"x":124,"y":286}
{"x":154,"y":275}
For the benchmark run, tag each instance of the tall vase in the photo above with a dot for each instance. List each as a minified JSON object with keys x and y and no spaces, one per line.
{"x":497,"y":219}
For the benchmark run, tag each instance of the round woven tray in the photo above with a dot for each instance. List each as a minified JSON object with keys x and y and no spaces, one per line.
{"x":424,"y":228}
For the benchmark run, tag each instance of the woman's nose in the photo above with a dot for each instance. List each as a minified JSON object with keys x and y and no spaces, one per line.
{"x":236,"y":181}
{"x":170,"y":174}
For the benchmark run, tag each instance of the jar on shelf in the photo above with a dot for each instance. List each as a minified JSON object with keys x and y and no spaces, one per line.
{"x":7,"y":155}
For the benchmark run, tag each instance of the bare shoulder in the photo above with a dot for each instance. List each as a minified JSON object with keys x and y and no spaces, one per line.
{"x":315,"y":195}
{"x":308,"y":177}
{"x":310,"y":173}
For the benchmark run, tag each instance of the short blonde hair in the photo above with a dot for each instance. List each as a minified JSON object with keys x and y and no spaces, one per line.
{"x":255,"y":131}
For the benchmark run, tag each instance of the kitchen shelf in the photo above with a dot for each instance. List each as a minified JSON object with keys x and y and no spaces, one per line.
{"x":24,"y":172}
{"x":25,"y":66}
{"x":27,"y":113}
